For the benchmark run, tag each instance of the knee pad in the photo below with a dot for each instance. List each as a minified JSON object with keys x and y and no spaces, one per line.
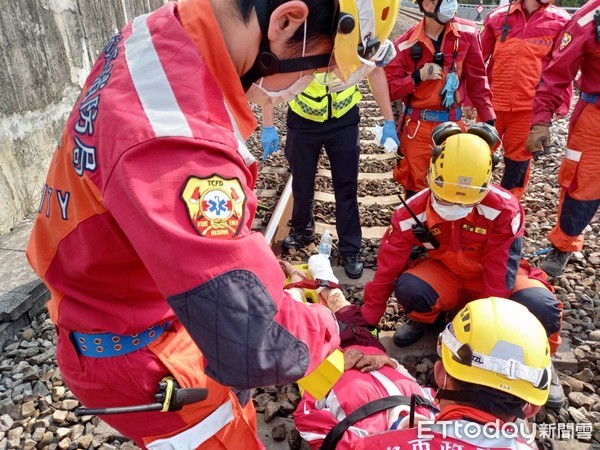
{"x":515,"y":173}
{"x":577,"y":214}
{"x":414,"y":294}
{"x":542,"y":304}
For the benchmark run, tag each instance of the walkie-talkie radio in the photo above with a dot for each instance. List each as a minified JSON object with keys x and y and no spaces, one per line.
{"x":420,"y":230}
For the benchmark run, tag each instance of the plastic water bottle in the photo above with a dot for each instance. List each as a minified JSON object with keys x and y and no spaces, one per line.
{"x":389,"y":145}
{"x":325,"y":243}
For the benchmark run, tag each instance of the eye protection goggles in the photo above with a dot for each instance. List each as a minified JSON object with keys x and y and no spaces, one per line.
{"x":443,"y":202}
{"x":511,"y":369}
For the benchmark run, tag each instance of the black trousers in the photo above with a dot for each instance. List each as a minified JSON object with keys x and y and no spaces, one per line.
{"x":340,"y":138}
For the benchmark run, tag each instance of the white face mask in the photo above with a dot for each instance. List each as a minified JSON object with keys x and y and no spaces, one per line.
{"x":447,"y":10}
{"x":450,"y":212}
{"x":260,"y":96}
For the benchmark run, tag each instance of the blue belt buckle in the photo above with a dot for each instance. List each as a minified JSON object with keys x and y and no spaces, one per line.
{"x":589,"y":98}
{"x":105,"y":345}
{"x":430,"y":116}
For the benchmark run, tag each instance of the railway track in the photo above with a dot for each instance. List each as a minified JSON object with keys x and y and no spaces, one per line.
{"x":413,"y":13}
{"x":44,"y":419}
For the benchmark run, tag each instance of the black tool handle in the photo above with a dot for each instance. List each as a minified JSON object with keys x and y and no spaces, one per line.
{"x":118,"y":409}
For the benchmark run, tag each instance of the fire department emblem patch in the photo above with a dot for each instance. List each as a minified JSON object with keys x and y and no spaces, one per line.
{"x":566,"y":40}
{"x":215,"y":205}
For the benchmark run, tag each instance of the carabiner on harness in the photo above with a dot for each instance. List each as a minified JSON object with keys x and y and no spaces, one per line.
{"x":412,"y":136}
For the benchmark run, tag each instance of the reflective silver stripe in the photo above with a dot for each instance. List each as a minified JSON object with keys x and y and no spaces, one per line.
{"x":583,"y":21}
{"x":573,"y":155}
{"x":387,"y":384}
{"x":464,"y":27}
{"x":487,"y":212}
{"x":333,"y":404}
{"x":408,"y":223}
{"x":192,"y":438}
{"x":241,"y":145}
{"x":501,"y":193}
{"x":309,"y":437}
{"x":404,"y":45}
{"x":151,"y":83}
{"x":500,"y":10}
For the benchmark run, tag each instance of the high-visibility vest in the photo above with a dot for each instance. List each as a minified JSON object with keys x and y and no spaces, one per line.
{"x":314,"y":103}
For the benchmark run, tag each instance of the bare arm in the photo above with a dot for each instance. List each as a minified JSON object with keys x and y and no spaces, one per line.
{"x":267,"y":115}
{"x":379,"y":88}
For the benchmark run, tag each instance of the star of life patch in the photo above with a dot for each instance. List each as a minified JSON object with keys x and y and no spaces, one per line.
{"x":566,"y":40}
{"x":515,"y":224}
{"x":215,"y":205}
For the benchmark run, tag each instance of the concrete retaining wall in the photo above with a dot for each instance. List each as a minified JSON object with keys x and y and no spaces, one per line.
{"x":47,"y":48}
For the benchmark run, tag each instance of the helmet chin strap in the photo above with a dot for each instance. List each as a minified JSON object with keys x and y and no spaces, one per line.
{"x":433,"y":15}
{"x":267,"y":63}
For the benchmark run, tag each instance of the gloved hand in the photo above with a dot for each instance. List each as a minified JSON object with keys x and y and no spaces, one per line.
{"x":449,"y":91}
{"x":430,"y":71}
{"x":389,"y":131}
{"x":320,"y":267}
{"x":269,"y":141}
{"x":539,"y":137}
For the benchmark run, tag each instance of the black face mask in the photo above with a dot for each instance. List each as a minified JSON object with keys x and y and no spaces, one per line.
{"x":266,"y":63}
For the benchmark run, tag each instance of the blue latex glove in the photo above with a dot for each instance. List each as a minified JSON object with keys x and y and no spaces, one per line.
{"x":389,"y":131}
{"x":449,"y":90}
{"x":269,"y":141}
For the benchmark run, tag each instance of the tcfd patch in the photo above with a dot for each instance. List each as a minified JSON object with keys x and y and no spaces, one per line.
{"x":215,"y":205}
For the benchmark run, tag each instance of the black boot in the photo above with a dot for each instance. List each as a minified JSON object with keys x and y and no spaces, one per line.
{"x":409,"y":333}
{"x":298,"y":240}
{"x":555,"y":262}
{"x":556,"y":398}
{"x":353,"y":266}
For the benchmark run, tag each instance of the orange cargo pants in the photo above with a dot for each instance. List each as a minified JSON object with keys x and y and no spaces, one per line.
{"x":415,"y":146}
{"x":513,"y":128}
{"x":429,"y":288}
{"x":219,"y":422}
{"x":578,"y":179}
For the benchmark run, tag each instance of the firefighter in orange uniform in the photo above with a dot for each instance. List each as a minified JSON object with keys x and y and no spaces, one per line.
{"x":143,"y":235}
{"x":517,"y":40}
{"x":578,"y":48}
{"x":435,"y":60}
{"x":473,"y":231}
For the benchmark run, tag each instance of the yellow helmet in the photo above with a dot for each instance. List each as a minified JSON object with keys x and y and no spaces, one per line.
{"x":360,"y":41}
{"x":460,"y":171}
{"x":486,"y":345}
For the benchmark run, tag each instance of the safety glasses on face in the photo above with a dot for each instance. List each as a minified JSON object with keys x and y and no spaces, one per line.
{"x":511,"y":369}
{"x":443,"y":202}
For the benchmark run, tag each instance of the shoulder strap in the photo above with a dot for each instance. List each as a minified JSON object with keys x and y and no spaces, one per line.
{"x":366,"y":410}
